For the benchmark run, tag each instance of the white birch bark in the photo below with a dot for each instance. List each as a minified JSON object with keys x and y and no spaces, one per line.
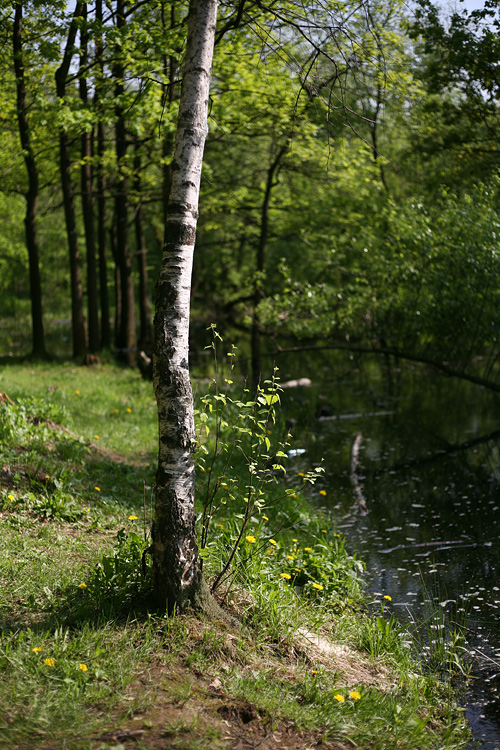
{"x":177,"y":579}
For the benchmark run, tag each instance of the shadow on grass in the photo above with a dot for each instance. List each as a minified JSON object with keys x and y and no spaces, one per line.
{"x":111,"y":599}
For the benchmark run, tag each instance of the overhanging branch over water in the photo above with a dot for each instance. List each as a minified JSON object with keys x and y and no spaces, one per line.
{"x":443,"y":367}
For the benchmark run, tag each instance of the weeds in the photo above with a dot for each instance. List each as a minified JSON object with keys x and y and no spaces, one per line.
{"x":440,"y":635}
{"x":77,"y":650}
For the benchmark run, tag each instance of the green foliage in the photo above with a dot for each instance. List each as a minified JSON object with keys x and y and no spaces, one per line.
{"x":74,"y":635}
{"x":120,"y":576}
{"x":380,"y":635}
{"x":252,"y":510}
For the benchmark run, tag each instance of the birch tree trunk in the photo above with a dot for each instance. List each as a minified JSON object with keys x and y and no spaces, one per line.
{"x":177,"y":578}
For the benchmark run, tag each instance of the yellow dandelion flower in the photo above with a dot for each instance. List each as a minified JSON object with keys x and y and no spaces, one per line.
{"x":11,"y":497}
{"x":115,"y":411}
{"x":49,"y":662}
{"x":337,"y":536}
{"x":133,"y":518}
{"x":290,"y":557}
{"x":96,"y":437}
{"x":98,"y":489}
{"x":83,"y":667}
{"x":323,"y":531}
{"x":354,"y":695}
{"x":250,"y":539}
{"x":273,"y":542}
{"x":307,"y":549}
{"x":77,"y":393}
{"x":317,"y":586}
{"x":295,"y":540}
{"x":37,"y":649}
{"x":389,"y":598}
{"x":297,"y":570}
{"x":286,"y":576}
{"x":322,"y":492}
{"x":265,"y":518}
{"x":129,"y":411}
{"x":82,"y":585}
{"x":47,"y":476}
{"x":301,"y":474}
{"x":339,"y":698}
{"x":314,"y":671}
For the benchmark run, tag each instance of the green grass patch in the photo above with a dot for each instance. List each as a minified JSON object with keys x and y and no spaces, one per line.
{"x":79,"y":653}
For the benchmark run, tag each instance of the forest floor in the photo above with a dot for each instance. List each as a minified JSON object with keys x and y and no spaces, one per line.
{"x":85,"y":666}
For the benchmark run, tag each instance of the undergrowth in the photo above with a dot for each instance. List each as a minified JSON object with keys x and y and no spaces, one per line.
{"x":75,"y":633}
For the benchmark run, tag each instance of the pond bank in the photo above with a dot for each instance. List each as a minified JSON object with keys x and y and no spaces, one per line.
{"x":310,"y":667}
{"x":429,"y":468}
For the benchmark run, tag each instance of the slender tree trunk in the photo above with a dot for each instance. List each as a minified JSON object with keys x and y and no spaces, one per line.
{"x":169,"y":72}
{"x":126,"y":336}
{"x":177,"y":577}
{"x":118,"y":285}
{"x":101,"y":241}
{"x":32,"y":192}
{"x":146,"y":326}
{"x":101,"y":187}
{"x":77,"y":318}
{"x":261,"y":257}
{"x":87,"y":198}
{"x":374,"y":123}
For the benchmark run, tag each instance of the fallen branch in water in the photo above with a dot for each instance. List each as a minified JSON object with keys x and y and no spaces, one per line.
{"x":459,"y":544}
{"x":355,"y":479}
{"x":329,"y":417}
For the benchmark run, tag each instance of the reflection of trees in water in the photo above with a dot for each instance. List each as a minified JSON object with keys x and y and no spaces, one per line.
{"x":444,"y":452}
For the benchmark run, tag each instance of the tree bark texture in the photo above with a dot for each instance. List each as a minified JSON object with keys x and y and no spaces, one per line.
{"x":177,"y":578}
{"x":77,"y":318}
{"x":32,"y":192}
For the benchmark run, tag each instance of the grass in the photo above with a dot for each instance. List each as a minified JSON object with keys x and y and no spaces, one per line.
{"x":85,"y":666}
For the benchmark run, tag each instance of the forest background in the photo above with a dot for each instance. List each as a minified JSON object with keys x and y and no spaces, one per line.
{"x":350,"y":196}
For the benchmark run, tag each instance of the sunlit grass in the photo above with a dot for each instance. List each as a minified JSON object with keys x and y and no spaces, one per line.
{"x":75,"y":636}
{"x":108,"y":405}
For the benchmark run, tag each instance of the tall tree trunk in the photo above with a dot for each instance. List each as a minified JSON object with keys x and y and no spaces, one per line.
{"x":77,"y":318}
{"x":87,"y":197}
{"x":101,"y":186}
{"x":32,"y":192}
{"x":261,"y":257}
{"x":126,"y":336}
{"x":146,"y":326}
{"x":117,"y":282}
{"x":168,"y":97}
{"x":177,"y":577}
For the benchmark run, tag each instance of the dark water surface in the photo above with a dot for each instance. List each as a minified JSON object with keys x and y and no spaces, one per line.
{"x":430,"y":466}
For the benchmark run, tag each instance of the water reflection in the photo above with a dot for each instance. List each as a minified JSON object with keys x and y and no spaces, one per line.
{"x":430,"y":477}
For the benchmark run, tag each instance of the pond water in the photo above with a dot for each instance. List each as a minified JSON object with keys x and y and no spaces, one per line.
{"x":429,"y":472}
